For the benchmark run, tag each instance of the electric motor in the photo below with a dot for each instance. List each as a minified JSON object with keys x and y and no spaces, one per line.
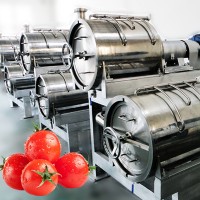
{"x":180,"y":55}
{"x":196,"y":38}
{"x":157,"y":126}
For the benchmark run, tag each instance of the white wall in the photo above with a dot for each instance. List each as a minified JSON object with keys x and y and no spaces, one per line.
{"x":14,"y":14}
{"x":172,"y":19}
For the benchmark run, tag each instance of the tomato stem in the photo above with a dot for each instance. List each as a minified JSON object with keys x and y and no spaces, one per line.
{"x":91,"y":168}
{"x":36,"y":126}
{"x":46,"y":176}
{"x":1,"y":166}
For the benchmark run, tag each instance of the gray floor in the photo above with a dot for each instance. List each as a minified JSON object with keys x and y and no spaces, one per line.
{"x":14,"y":130}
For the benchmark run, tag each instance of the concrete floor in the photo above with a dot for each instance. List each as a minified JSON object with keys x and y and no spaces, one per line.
{"x":14,"y":130}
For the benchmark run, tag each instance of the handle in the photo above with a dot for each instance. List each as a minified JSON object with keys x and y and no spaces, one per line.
{"x":67,"y":55}
{"x":179,"y":122}
{"x":111,"y":142}
{"x":119,"y":16}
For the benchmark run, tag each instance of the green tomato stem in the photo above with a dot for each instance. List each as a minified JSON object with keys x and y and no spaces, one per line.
{"x":46,"y":176}
{"x":36,"y":127}
{"x":91,"y":168}
{"x":2,"y":166}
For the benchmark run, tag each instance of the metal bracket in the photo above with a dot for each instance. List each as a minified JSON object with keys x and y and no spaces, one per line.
{"x":119,"y":29}
{"x":69,"y":57}
{"x":179,"y":123}
{"x":148,"y":30}
{"x":45,"y":39}
{"x":61,"y":73}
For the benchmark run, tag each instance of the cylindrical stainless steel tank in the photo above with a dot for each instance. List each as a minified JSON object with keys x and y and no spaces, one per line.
{"x":10,"y":72}
{"x":55,"y":91}
{"x":9,"y":48}
{"x":42,"y":48}
{"x":124,"y":46}
{"x":159,"y":128}
{"x":22,"y":83}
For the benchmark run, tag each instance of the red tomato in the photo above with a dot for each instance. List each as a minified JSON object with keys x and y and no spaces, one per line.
{"x":12,"y":170}
{"x":74,"y":170}
{"x":39,"y":177}
{"x":43,"y":144}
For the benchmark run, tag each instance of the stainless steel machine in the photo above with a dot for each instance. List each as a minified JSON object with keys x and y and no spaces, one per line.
{"x":9,"y":49}
{"x":150,"y":139}
{"x":38,"y":48}
{"x":110,"y":47}
{"x":42,"y":48}
{"x":64,"y":109}
{"x":10,"y":72}
{"x":144,"y":103}
{"x":18,"y":87}
{"x":158,"y":126}
{"x":56,"y":92}
{"x":131,"y":102}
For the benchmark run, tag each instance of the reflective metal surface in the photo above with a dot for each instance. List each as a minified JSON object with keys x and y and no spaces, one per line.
{"x":22,"y":83}
{"x":12,"y":126}
{"x":122,"y":47}
{"x":9,"y":48}
{"x":10,"y":72}
{"x":181,"y":55}
{"x":56,"y":91}
{"x":161,"y":122}
{"x":175,"y":49}
{"x":42,"y":48}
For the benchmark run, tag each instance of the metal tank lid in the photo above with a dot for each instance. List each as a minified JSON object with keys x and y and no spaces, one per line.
{"x":85,"y":63}
{"x":127,"y":138}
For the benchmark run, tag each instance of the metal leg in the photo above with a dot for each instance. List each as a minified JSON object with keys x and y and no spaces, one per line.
{"x":13,"y":104}
{"x":27,"y":107}
{"x":175,"y":196}
{"x":157,"y":188}
{"x":143,"y":193}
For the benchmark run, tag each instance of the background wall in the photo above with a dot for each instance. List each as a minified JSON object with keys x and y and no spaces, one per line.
{"x":172,"y":19}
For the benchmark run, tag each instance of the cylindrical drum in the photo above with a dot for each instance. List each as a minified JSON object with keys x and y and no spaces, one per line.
{"x":22,"y":83}
{"x":122,"y":47}
{"x":55,"y":91}
{"x":54,"y":82}
{"x":60,"y":102}
{"x":175,"y":49}
{"x":9,"y":48}
{"x":160,"y":128}
{"x":42,"y":48}
{"x":10,"y":72}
